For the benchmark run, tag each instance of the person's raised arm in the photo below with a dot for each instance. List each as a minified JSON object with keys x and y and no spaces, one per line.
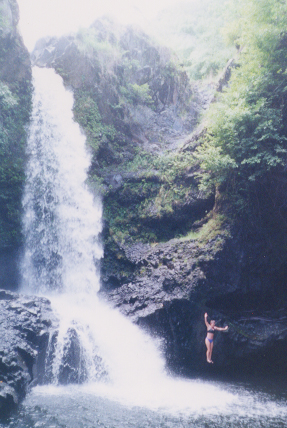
{"x":205,"y":320}
{"x":221,"y":328}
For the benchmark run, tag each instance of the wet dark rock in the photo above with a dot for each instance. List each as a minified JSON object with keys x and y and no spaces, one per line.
{"x":160,"y":276}
{"x":114,"y":181}
{"x":174,"y":283}
{"x":72,"y":369}
{"x":24,"y":327}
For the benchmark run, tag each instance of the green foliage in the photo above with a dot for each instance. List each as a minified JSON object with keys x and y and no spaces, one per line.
{"x":247,"y":134}
{"x":15,"y":105}
{"x":137,"y":94}
{"x":15,"y":109}
{"x":140,"y":209}
{"x":170,"y":167}
{"x":87,"y":114}
{"x":213,"y":228}
{"x":8,"y":100}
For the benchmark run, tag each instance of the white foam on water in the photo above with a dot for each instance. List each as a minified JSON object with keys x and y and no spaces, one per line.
{"x":188,"y":398}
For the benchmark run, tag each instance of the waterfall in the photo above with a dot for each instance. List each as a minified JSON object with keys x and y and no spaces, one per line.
{"x":61,"y":223}
{"x":94,"y":344}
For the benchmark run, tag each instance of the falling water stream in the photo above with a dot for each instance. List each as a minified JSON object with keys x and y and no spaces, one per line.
{"x":118,"y":377}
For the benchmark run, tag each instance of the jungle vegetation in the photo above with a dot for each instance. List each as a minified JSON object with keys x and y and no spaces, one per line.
{"x":244,"y":150}
{"x":242,"y":154}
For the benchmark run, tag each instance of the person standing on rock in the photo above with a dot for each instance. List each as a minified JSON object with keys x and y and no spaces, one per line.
{"x":210,"y":335}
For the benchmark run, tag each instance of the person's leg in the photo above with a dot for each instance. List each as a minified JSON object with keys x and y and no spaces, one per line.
{"x":210,"y":352}
{"x":208,"y":348}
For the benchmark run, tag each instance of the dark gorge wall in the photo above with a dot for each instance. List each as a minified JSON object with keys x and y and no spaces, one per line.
{"x":15,"y":108}
{"x":234,"y":278}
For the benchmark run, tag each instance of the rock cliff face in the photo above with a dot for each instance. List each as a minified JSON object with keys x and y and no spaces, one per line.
{"x":24,"y":333}
{"x":135,"y":84}
{"x":15,"y":107}
{"x":178,"y":281}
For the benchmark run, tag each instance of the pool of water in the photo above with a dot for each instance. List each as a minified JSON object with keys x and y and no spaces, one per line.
{"x":207,"y":405}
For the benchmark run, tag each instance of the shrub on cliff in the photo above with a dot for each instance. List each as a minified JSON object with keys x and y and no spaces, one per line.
{"x":137,"y":94}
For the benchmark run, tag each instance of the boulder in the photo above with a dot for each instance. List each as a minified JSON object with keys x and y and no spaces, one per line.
{"x":24,"y":334}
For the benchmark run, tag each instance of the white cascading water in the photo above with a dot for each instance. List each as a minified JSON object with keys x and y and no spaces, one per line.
{"x":61,"y":225}
{"x":62,"y":222}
